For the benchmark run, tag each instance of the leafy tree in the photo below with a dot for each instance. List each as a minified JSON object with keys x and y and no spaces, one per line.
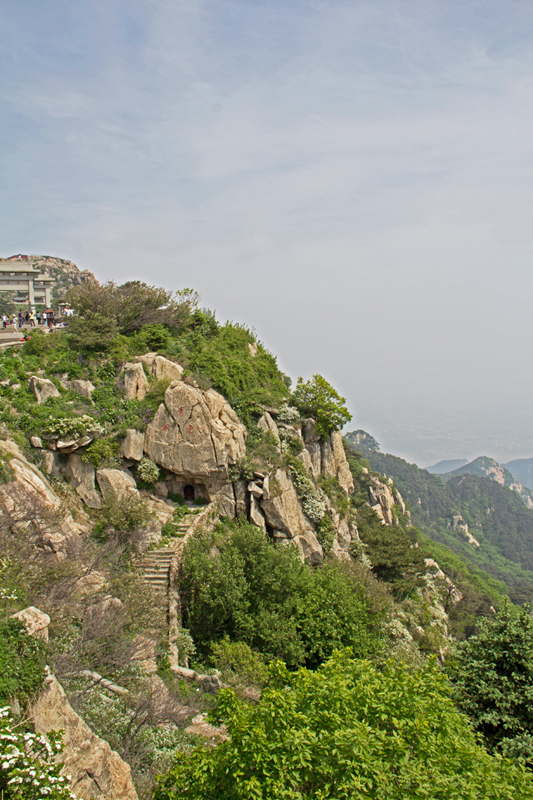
{"x":317,"y":398}
{"x":493,"y":678}
{"x":133,"y":304}
{"x":235,"y":583}
{"x":346,"y":731}
{"x":94,"y":331}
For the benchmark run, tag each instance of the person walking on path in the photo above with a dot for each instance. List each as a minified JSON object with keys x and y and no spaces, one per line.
{"x":32,"y":319}
{"x":38,"y":315}
{"x":21,"y":319}
{"x":4,"y":321}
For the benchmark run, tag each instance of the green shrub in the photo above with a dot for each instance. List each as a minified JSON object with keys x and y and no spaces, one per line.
{"x":94,"y":331}
{"x":22,"y":662}
{"x":102,"y":452}
{"x":344,"y":732}
{"x":238,"y":663}
{"x":235,"y":583}
{"x":30,"y":769}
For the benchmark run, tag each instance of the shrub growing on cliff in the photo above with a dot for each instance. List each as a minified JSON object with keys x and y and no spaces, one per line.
{"x":317,"y":398}
{"x":493,"y":677}
{"x":346,"y":731}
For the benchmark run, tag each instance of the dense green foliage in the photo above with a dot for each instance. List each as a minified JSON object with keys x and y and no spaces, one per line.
{"x":493,"y":677}
{"x":131,"y":305}
{"x":345,"y":731}
{"x":22,"y":661}
{"x":318,"y":399}
{"x":235,"y":583}
{"x":496,"y":516}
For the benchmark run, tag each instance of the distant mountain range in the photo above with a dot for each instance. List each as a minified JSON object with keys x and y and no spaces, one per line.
{"x":489,"y":468}
{"x":446,"y":466}
{"x":522,"y":469}
{"x":479,"y":510}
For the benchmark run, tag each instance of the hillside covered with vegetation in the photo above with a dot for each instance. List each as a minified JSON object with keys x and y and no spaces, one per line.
{"x":335,"y":663}
{"x":496,"y":517}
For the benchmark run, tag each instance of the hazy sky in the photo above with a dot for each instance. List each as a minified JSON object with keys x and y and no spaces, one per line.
{"x":353,"y":179}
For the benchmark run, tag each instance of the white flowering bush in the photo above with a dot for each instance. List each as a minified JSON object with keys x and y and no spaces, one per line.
{"x":290,"y":441}
{"x":147,"y":471}
{"x":28,"y":769}
{"x":288,"y":415}
{"x":313,"y":499}
{"x":73,"y":426}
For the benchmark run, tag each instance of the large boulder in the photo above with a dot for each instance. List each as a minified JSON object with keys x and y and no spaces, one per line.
{"x":327,"y":456}
{"x":35,"y":621}
{"x":81,"y":476}
{"x":195,"y":433}
{"x":136,"y":384}
{"x":96,"y":772}
{"x":283,"y":512}
{"x":116,"y":483}
{"x":161,"y":368}
{"x":30,"y":500}
{"x":42,"y":388}
{"x":85,"y":388}
{"x":132,"y":447}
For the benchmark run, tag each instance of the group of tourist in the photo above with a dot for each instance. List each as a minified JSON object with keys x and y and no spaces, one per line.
{"x":31,"y":318}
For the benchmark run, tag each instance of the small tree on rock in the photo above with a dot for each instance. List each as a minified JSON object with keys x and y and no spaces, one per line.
{"x":317,"y":398}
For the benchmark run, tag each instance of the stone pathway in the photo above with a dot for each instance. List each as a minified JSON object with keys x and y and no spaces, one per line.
{"x":156,"y":563}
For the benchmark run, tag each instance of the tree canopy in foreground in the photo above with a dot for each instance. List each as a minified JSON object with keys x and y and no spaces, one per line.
{"x":345,"y":731}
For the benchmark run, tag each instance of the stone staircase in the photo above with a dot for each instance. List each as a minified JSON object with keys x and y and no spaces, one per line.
{"x":156,"y":567}
{"x":156,"y":563}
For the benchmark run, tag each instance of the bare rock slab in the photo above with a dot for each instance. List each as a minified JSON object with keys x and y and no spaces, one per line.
{"x":133,"y":445}
{"x":115,"y":483}
{"x":97,"y":772}
{"x":42,"y":388}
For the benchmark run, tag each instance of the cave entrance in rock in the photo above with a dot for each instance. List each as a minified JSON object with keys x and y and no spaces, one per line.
{"x":188,"y":492}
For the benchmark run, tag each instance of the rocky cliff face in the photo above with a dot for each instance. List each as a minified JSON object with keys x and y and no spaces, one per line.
{"x":96,"y":771}
{"x":29,"y":501}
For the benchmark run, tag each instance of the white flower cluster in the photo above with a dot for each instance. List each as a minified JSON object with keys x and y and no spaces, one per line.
{"x":290,"y":440}
{"x":147,"y":470}
{"x":288,"y":415}
{"x":73,"y":426}
{"x":6,"y":594}
{"x":313,"y":499}
{"x":27,"y":761}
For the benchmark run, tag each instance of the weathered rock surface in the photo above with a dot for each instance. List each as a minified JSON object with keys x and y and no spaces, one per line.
{"x":161,"y":368}
{"x":85,"y":388}
{"x":133,"y":445}
{"x":284,"y":513}
{"x":266,"y":423}
{"x":42,"y":388}
{"x":81,"y":477}
{"x":326,"y":457}
{"x":97,"y":772}
{"x":115,"y":483}
{"x":195,"y":433}
{"x":29,"y":499}
{"x":136,"y":384}
{"x":35,"y":621}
